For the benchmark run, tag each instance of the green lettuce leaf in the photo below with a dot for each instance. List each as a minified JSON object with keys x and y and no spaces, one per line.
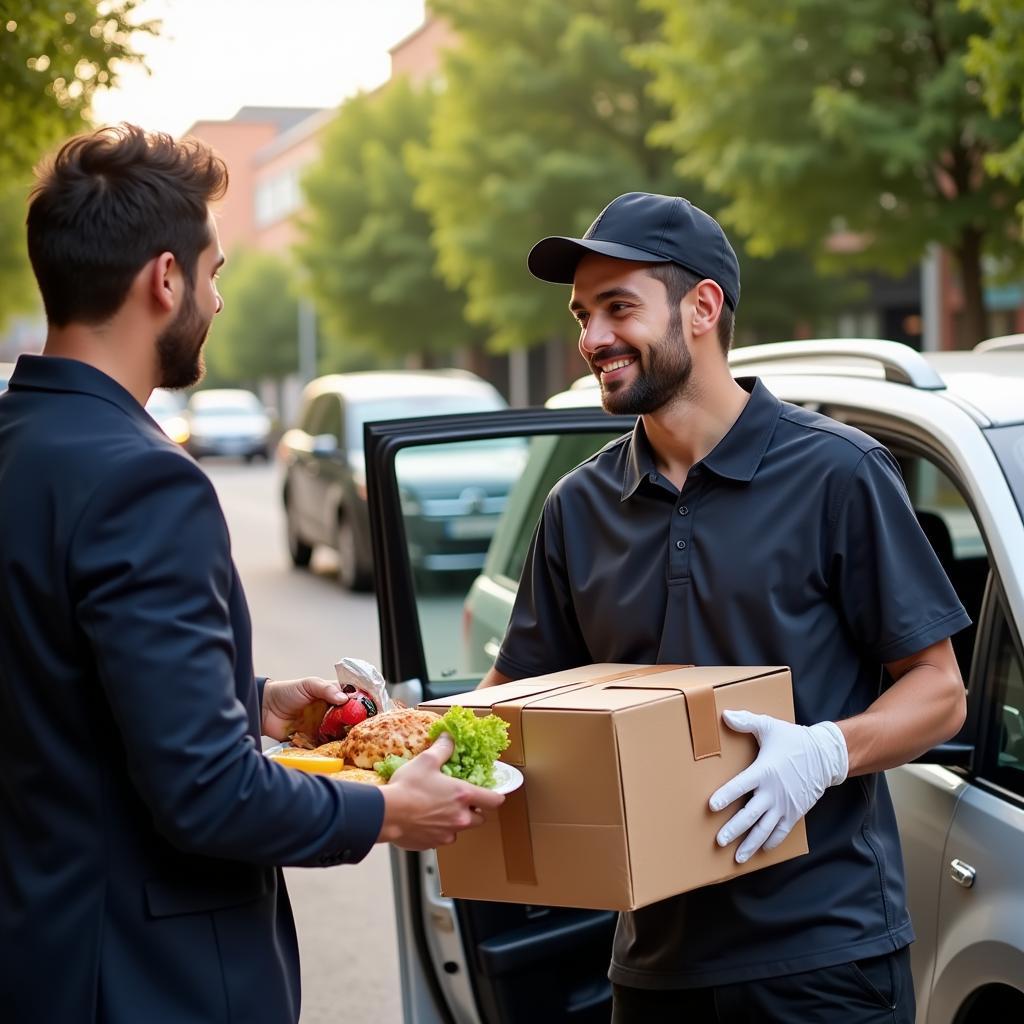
{"x":389,"y":765}
{"x":478,"y":742}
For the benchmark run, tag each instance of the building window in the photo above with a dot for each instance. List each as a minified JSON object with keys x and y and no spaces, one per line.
{"x":278,"y":197}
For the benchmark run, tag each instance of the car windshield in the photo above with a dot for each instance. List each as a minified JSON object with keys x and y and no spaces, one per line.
{"x":236,"y":409}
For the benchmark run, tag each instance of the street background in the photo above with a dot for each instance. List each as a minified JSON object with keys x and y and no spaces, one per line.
{"x":302,"y":623}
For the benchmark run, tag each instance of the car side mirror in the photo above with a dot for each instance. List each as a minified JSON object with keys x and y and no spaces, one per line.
{"x":949,"y":755}
{"x":325,"y":444}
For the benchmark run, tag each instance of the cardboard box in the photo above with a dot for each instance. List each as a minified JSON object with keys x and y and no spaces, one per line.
{"x":619,"y":763}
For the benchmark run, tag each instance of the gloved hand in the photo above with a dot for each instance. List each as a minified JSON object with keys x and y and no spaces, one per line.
{"x":794,"y":766}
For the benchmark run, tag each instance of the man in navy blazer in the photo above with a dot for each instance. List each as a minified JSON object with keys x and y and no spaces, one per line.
{"x":141,"y":829}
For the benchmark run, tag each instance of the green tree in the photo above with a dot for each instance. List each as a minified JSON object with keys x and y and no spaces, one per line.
{"x":53,"y":57}
{"x":541,"y":122}
{"x":543,"y":119}
{"x":997,"y":58}
{"x":860,"y":117}
{"x":368,"y":252}
{"x":18,"y":293}
{"x":256,"y":334}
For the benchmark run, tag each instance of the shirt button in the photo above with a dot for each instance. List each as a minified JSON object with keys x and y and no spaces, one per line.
{"x":681,"y":544}
{"x":683,"y":510}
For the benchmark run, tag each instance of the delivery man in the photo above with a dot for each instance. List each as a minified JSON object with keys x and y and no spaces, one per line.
{"x":732,"y":528}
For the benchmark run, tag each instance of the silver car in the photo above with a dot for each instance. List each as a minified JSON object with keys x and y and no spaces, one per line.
{"x":228,"y":421}
{"x":955,"y":423}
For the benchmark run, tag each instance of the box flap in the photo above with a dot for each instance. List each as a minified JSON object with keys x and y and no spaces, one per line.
{"x":508,"y":699}
{"x":594,"y":686}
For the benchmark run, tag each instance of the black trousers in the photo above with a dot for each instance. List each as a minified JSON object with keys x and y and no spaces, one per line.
{"x":871,"y":991}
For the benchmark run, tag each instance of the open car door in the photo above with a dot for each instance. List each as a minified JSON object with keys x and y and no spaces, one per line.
{"x":453,"y":504}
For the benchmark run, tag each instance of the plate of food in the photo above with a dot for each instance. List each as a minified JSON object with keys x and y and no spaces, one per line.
{"x":374,"y":748}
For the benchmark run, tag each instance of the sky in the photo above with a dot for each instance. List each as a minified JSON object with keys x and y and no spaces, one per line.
{"x":214,"y":56}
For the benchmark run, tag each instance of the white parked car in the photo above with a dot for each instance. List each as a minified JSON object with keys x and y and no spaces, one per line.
{"x":168,"y":409}
{"x":955,"y":423}
{"x":228,"y":421}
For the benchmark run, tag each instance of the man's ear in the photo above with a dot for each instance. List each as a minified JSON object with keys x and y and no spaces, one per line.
{"x":708,"y":299}
{"x":164,"y":280}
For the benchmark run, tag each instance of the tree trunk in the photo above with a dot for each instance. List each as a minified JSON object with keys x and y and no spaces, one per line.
{"x":968,"y":255}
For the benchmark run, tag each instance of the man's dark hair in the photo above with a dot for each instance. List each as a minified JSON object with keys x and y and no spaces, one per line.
{"x":678,"y":282}
{"x":108,"y":203}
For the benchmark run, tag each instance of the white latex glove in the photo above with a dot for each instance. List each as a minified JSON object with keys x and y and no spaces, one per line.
{"x":793,"y":768}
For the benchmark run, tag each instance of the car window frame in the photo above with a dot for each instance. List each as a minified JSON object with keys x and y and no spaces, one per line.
{"x":403,"y":656}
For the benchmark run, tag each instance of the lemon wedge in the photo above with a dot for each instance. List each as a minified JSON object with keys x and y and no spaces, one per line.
{"x":308,"y":762}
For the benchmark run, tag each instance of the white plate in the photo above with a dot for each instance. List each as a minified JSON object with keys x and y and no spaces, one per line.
{"x":507,"y":777}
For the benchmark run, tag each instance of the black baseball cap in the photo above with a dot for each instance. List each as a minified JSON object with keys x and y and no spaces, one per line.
{"x":647,"y":228}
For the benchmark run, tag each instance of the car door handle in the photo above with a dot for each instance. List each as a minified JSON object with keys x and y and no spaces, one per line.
{"x":961,"y":873}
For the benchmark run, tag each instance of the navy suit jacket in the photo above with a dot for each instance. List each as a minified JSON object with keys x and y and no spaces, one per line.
{"x":141,"y":829}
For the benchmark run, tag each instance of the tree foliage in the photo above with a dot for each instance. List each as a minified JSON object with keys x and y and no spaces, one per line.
{"x":18,"y":293}
{"x":808,"y":121}
{"x":371,"y":263}
{"x":544,"y":119}
{"x":997,"y":58}
{"x":256,"y":334}
{"x":54,"y":54}
{"x":540,"y":124}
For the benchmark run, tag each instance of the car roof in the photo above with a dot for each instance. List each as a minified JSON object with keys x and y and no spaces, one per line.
{"x":223,"y":396}
{"x":371,"y":385}
{"x":164,"y":398}
{"x":990,"y":379}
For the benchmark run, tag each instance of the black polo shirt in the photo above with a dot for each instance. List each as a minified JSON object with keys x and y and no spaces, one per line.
{"x":793,"y":543}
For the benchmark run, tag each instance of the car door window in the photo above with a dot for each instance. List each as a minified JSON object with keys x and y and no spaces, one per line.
{"x":310,"y":416}
{"x":469,"y":509}
{"x":330,"y":417}
{"x":552,"y":458}
{"x":952,"y":528}
{"x":1004,"y":763}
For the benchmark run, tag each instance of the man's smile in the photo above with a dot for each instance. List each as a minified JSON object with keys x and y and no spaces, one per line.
{"x":612,"y":368}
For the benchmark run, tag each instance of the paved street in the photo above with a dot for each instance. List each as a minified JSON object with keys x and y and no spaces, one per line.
{"x":302,"y":623}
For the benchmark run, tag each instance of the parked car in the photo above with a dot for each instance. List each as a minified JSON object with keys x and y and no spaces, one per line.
{"x":955,"y":423}
{"x":6,"y":369}
{"x":451,"y":499}
{"x":228,"y":421}
{"x":168,"y":409}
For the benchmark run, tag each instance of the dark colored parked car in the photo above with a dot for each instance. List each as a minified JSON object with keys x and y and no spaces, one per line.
{"x":451,"y":497}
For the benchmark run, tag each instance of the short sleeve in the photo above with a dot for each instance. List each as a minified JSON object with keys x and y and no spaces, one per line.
{"x":893,"y":592}
{"x":543,"y":634}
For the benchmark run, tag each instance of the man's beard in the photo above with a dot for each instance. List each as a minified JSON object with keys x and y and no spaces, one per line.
{"x":668,"y":369}
{"x":180,"y":347}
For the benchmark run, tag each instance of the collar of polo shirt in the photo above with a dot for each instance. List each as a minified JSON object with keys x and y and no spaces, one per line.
{"x":735,"y":457}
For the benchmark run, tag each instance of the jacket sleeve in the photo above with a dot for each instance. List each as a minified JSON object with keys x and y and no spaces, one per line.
{"x":150,"y":575}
